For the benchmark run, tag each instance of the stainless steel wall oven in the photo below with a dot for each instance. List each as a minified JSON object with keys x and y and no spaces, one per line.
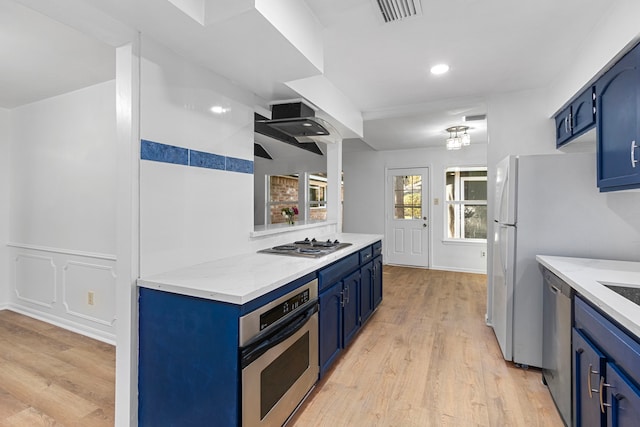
{"x":279,"y":356}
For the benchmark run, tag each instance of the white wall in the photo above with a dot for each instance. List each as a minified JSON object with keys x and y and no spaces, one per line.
{"x":190,"y":214}
{"x":364,"y":210}
{"x":616,"y":29}
{"x":62,"y":209}
{"x":4,"y":206}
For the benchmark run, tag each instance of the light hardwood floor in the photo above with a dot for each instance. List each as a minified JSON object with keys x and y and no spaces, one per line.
{"x":427,"y":358}
{"x":52,"y":377}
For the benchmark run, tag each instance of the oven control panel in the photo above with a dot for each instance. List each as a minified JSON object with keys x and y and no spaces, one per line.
{"x":282,"y":309}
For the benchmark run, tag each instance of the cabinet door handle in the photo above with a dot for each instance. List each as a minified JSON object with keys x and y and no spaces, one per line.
{"x":633,"y":154}
{"x":342,"y":298}
{"x":602,"y":404}
{"x":591,"y":389}
{"x":566,"y":124}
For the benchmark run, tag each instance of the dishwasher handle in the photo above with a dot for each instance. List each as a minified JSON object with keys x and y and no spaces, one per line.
{"x":556,"y":284}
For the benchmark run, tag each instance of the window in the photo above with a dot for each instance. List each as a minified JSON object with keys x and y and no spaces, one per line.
{"x":318,"y":196}
{"x":283,"y":193}
{"x":407,"y":197}
{"x":466,"y":203}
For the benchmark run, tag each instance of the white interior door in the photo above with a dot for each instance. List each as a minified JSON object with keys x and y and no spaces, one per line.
{"x":407,"y":217}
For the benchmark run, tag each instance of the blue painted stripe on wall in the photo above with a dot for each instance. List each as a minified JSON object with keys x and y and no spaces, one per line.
{"x":239,"y":165}
{"x":157,"y":152}
{"x":206,"y":160}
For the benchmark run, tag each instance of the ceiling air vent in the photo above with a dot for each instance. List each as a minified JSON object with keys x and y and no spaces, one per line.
{"x":396,"y":10}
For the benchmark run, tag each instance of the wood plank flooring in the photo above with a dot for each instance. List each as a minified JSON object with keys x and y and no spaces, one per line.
{"x":427,"y":358}
{"x":53,"y":377}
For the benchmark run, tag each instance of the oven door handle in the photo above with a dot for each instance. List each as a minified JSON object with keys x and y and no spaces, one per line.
{"x":253,"y":351}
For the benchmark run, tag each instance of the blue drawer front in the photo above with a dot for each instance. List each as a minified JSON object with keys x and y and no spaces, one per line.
{"x":366,"y":255}
{"x":618,"y":346}
{"x":377,"y":249}
{"x":336,"y":271}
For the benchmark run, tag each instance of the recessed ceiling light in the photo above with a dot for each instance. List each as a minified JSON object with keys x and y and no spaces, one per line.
{"x":439,"y":69}
{"x":218,"y":109}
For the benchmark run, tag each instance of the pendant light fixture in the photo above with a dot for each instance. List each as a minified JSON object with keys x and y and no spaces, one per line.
{"x":458,"y":137}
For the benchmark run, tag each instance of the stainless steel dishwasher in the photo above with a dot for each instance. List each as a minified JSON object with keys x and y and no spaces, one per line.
{"x":556,"y":342}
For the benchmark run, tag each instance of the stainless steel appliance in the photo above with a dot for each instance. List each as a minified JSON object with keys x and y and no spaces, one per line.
{"x":310,"y":248}
{"x":556,"y":342}
{"x":279,"y":356}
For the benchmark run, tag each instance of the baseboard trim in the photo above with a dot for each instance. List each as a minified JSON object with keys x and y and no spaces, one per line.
{"x":64,"y":324}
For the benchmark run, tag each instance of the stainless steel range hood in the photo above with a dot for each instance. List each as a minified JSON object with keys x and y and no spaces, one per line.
{"x":294,"y":122}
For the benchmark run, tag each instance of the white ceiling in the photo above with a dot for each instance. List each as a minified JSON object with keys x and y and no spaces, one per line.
{"x":492,"y":46}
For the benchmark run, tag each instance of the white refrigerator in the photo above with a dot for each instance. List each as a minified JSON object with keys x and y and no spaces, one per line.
{"x":548,"y":205}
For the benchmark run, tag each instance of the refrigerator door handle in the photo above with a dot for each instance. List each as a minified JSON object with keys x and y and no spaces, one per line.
{"x":503,"y":249}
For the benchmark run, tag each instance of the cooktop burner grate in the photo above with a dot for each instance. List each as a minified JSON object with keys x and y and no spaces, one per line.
{"x":311,"y":248}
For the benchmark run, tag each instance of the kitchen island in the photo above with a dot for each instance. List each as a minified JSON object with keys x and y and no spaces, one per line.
{"x":193,"y":360}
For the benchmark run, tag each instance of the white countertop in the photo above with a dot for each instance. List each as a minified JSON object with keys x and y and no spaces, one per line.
{"x":584,"y":275}
{"x":242,"y":278}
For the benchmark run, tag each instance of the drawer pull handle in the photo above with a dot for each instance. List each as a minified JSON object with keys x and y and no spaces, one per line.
{"x":634,"y":161}
{"x":591,"y":389}
{"x":602,"y":404}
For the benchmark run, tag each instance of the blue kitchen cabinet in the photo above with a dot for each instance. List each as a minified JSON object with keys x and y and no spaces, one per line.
{"x":330,"y":325}
{"x":348,"y":290}
{"x":366,"y":291}
{"x":377,"y":281}
{"x":623,"y":397}
{"x":338,"y":318}
{"x":577,"y":118}
{"x":606,"y":370}
{"x":618,"y":124}
{"x":351,"y":306}
{"x":189,"y":370}
{"x":588,"y":364}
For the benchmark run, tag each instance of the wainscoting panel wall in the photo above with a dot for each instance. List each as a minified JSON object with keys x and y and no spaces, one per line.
{"x":72,"y":289}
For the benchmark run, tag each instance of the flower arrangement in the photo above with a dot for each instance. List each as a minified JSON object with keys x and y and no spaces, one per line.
{"x":289,"y":213}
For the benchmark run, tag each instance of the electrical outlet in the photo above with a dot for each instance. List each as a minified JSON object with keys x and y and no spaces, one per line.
{"x":90,"y":298}
{"x":483,"y":254}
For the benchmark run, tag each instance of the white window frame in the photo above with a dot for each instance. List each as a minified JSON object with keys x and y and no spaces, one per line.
{"x":459,"y":204}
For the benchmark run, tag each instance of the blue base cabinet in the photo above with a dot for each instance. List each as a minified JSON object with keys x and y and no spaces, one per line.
{"x":606,"y":370}
{"x":188,"y":362}
{"x":188,"y":372}
{"x":588,"y":364}
{"x":348,"y":291}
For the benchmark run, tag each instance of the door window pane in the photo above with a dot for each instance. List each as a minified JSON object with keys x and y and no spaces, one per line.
{"x":407,"y":195}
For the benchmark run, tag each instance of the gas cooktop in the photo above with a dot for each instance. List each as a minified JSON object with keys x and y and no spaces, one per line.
{"x":307,"y":248}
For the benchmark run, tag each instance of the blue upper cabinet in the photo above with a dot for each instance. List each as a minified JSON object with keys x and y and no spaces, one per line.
{"x":577,"y":118}
{"x":618,"y":124}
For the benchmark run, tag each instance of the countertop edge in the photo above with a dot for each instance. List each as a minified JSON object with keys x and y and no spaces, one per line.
{"x":572,"y":270}
{"x":189,"y":280}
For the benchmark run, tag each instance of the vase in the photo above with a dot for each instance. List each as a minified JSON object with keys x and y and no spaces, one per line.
{"x":290,"y":220}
